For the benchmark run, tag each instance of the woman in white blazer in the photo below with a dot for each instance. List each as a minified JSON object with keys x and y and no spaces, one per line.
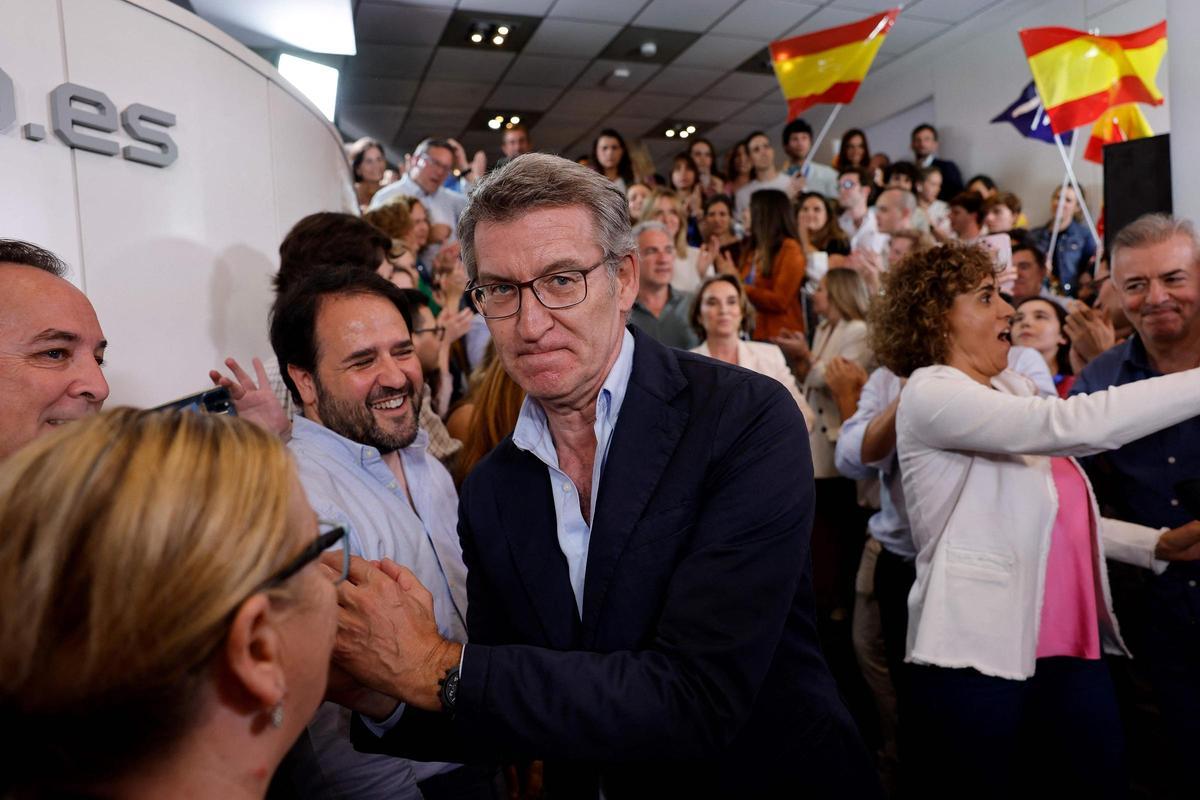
{"x":720,"y":314}
{"x":1010,"y":611}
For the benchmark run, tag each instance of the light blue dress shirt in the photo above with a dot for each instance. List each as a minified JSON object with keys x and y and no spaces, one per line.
{"x":532,"y":435}
{"x":349,"y":483}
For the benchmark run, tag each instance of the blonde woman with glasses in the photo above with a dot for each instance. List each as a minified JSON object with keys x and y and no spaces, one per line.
{"x":167,"y":628}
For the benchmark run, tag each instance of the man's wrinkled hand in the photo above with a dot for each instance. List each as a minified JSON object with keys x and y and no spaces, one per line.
{"x":387,"y":637}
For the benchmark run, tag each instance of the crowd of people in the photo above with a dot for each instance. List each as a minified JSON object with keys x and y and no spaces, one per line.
{"x":570,"y":479}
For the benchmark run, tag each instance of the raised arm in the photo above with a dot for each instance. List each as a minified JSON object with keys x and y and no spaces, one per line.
{"x":942,"y":409}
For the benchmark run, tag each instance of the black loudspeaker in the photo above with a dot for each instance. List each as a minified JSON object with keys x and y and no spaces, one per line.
{"x":1137,"y":181}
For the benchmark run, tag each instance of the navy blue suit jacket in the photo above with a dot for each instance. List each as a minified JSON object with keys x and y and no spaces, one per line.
{"x":695,"y":669}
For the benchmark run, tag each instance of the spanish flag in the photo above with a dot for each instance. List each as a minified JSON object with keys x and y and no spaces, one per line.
{"x":1080,"y":76}
{"x":828,"y":66}
{"x":1118,"y":124}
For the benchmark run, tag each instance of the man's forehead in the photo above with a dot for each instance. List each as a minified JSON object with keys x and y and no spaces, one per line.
{"x":1158,"y":258}
{"x":34,"y":301}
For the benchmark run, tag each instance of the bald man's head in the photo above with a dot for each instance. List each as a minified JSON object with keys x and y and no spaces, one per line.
{"x":51,"y":351}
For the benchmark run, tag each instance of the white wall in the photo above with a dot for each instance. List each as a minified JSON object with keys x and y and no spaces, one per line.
{"x":976,"y":70}
{"x":1183,"y":25}
{"x":177,"y":260}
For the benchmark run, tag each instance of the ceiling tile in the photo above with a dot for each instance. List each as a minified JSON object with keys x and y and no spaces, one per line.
{"x":952,"y":10}
{"x":764,"y":114}
{"x":600,"y":75}
{"x":461,"y":64}
{"x":398,"y":61}
{"x":438,"y":121}
{"x":682,"y":81}
{"x":627,"y":45}
{"x":391,"y":24}
{"x":620,"y":11}
{"x":718,"y":52}
{"x":742,"y":86}
{"x":452,"y":94}
{"x":684,"y":15}
{"x":828,"y":17}
{"x":709,"y":109}
{"x":363,"y":89}
{"x":487,"y":141}
{"x":909,"y":33}
{"x":867,"y":7}
{"x":561,"y":37}
{"x":631,"y":127}
{"x":652,"y":106}
{"x":727,"y":134}
{"x":765,"y":20}
{"x":523,"y":98}
{"x":534,"y":7}
{"x":378,"y":121}
{"x":531,"y":70}
{"x":588,"y":101}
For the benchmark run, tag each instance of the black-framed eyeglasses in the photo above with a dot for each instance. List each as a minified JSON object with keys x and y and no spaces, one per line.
{"x":310,"y":554}
{"x":439,"y":330}
{"x":554,"y":291}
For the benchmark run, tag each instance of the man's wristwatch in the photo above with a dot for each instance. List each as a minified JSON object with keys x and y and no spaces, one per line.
{"x":448,"y":689}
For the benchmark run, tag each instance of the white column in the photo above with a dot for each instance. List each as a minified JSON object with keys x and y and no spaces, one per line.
{"x":1183,"y":61}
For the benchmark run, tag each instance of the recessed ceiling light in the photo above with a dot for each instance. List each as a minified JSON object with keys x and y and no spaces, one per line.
{"x":683,"y":134}
{"x":502,"y":30}
{"x":691,"y":128}
{"x":514,"y":120}
{"x":497,"y":40}
{"x":670,"y":132}
{"x":494,"y":124}
{"x":476,"y":37}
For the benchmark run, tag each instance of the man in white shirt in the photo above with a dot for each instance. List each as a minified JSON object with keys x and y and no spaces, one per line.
{"x":766,"y":175}
{"x":858,"y":220}
{"x":431,"y":164}
{"x":797,"y":142}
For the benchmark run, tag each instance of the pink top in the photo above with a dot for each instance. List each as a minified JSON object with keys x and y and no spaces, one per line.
{"x":1069,"y":623}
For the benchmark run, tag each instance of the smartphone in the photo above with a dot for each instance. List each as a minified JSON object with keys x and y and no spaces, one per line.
{"x":210,"y":401}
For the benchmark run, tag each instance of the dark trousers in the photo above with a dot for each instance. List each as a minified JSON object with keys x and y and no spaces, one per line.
{"x":894,"y":578}
{"x":1057,"y":734}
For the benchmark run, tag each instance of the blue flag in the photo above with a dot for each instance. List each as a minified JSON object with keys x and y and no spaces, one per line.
{"x":1028,"y":116}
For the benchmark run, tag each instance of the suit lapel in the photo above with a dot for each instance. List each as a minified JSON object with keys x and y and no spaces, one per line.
{"x":526,"y":514}
{"x":648,"y":429}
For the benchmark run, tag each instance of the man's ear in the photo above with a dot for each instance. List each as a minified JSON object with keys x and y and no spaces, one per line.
{"x":628,"y":279}
{"x":305,"y":383}
{"x":253,"y":653}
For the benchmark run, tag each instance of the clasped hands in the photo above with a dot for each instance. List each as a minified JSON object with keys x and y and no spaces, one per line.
{"x":388,"y":647}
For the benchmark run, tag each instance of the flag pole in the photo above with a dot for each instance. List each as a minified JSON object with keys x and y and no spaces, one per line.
{"x":812,"y":151}
{"x":1062,"y":197}
{"x":1087,"y":215}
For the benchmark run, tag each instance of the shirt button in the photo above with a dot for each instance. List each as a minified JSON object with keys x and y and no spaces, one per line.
{"x":1170,"y":459}
{"x":1174,"y":502}
{"x":392,"y":485}
{"x":566,"y":487}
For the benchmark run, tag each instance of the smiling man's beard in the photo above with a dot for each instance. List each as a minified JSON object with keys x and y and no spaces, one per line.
{"x":357,"y":422}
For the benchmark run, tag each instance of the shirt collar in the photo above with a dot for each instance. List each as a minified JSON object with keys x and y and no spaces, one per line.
{"x":337,"y":446}
{"x":532,"y":432}
{"x":1136,"y":355}
{"x":408,"y":183}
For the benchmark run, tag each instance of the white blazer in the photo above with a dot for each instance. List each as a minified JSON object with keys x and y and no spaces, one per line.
{"x":847,"y":339}
{"x":767,"y":359}
{"x":982,"y":504}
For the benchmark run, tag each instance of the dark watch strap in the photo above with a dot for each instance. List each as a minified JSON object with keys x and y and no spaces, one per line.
{"x":448,"y":689}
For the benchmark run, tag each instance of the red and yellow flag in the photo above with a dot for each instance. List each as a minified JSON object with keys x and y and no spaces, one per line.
{"x":1080,"y":76}
{"x":828,"y":66}
{"x":1118,"y":124}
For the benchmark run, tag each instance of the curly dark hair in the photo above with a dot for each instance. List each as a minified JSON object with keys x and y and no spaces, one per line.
{"x":908,"y":321}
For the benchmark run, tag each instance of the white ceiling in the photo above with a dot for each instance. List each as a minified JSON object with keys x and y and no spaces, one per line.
{"x":405,"y":84}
